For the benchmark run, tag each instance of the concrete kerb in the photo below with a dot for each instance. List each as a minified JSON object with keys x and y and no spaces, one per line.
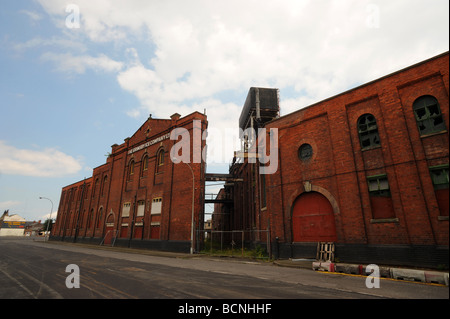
{"x":416,"y":275}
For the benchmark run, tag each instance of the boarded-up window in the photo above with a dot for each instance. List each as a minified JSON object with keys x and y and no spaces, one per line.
{"x":439,"y":176}
{"x":126,"y":210}
{"x":155,"y":230}
{"x":156,"y":206}
{"x":141,"y":208}
{"x":380,"y":197}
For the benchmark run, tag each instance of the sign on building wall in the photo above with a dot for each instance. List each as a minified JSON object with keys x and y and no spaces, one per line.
{"x":13,"y":225}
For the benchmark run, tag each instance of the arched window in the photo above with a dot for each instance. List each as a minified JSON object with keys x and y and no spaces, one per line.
{"x":428,"y":115}
{"x":105,"y":180}
{"x":368,"y":132}
{"x":100,"y":216}
{"x":159,"y":159}
{"x":95,"y":187}
{"x":145,"y":163}
{"x":90,"y":218}
{"x":130,"y":170}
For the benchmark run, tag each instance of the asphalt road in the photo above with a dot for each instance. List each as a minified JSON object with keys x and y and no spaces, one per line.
{"x":37,"y":270}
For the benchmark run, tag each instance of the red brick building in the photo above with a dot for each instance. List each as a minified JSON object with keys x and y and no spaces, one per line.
{"x":140,"y":197}
{"x":366,"y":169}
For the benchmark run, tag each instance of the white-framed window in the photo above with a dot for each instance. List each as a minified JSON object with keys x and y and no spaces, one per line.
{"x":156,"y":206}
{"x":126,"y":209}
{"x":141,"y":208}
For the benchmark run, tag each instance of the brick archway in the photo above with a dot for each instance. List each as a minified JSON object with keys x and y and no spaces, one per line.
{"x":313,"y":219}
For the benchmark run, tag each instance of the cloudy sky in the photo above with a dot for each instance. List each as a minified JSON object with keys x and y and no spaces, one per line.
{"x":78,"y":76}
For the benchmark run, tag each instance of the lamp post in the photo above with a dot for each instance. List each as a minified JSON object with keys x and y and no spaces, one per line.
{"x":192,"y":215}
{"x":48,"y":224}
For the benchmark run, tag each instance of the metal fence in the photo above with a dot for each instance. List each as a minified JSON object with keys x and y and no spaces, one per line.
{"x":255,"y":243}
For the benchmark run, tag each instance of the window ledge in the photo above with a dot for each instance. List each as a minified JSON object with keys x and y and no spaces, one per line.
{"x":443,"y":218}
{"x":433,"y":134}
{"x":370,"y":148}
{"x":384,"y":220}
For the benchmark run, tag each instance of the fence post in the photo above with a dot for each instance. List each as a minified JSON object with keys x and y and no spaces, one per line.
{"x":242,"y":244}
{"x":211,"y":242}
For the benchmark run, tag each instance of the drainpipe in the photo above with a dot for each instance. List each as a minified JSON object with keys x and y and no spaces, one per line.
{"x":132,"y":221}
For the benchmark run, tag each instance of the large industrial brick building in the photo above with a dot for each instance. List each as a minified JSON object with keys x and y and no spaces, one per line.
{"x":140,"y":197}
{"x":366,"y":169}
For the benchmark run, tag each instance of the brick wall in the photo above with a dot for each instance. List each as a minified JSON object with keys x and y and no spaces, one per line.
{"x":339,"y":167}
{"x":112,"y":185}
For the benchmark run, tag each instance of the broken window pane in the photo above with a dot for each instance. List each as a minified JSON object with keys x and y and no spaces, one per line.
{"x":438,"y":121}
{"x":440,"y":177}
{"x":368,"y":131}
{"x":434,"y":110}
{"x":376,"y":140}
{"x":365,"y":142}
{"x":422,"y":127}
{"x":421,"y":113}
{"x":428,"y":115}
{"x":379,"y":186}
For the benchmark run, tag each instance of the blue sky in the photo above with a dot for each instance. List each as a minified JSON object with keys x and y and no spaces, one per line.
{"x":67,"y":94}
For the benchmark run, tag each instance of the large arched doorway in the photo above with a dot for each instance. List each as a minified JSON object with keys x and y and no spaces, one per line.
{"x":313,"y":219}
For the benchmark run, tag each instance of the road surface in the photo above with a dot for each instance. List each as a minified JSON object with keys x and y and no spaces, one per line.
{"x":47,"y":270}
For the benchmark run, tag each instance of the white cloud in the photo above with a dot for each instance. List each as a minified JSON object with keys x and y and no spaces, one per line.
{"x":34,"y":16}
{"x":48,"y":162}
{"x":202,"y":49}
{"x":59,"y":42}
{"x":47,"y":216}
{"x":68,"y":63}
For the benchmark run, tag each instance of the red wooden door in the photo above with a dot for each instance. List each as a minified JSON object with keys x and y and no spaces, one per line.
{"x":313,"y":219}
{"x":109,"y":235}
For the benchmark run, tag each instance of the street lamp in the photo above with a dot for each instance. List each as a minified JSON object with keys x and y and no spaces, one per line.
{"x":193,"y":196}
{"x":48,"y":224}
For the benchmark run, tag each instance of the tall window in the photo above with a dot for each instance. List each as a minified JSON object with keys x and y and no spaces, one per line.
{"x":428,"y":115}
{"x":380,"y":197}
{"x":439,"y":176}
{"x":368,"y":132}
{"x":141,"y":208}
{"x":145,"y":163}
{"x":159,"y":159}
{"x":126,"y":209}
{"x":379,"y":186}
{"x":95,"y":187}
{"x":100,"y":216}
{"x":130,"y":170}
{"x":105,"y":180}
{"x":90,"y":218}
{"x":156,"y":206}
